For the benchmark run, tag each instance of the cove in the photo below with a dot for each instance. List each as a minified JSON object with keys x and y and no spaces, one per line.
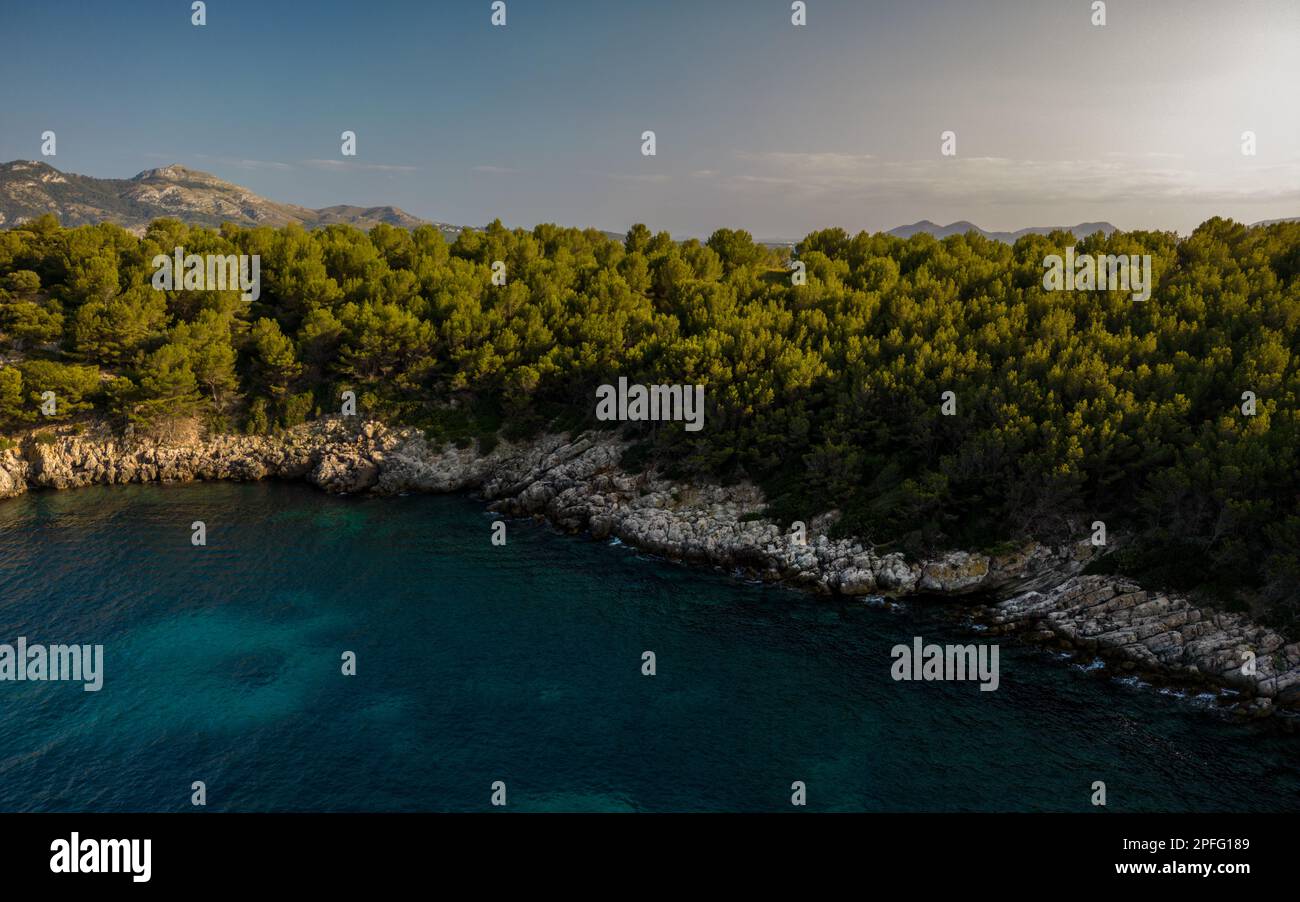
{"x":522,"y":663}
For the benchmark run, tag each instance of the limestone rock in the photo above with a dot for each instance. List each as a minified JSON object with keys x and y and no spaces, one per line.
{"x":577,"y":483}
{"x":955,"y":573}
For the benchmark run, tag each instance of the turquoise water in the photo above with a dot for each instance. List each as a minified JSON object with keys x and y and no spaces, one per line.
{"x":522,"y":664}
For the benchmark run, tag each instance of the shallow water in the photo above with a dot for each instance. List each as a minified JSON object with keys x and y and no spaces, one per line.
{"x":523,"y":664}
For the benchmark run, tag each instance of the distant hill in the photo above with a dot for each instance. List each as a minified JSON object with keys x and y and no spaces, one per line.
{"x":1081,"y":230}
{"x":29,"y":189}
{"x":927,"y":227}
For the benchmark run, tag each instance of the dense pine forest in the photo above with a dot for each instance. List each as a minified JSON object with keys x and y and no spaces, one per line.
{"x":1071,"y":406}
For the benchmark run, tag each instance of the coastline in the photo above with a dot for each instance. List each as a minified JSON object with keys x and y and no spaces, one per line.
{"x":577,"y":484}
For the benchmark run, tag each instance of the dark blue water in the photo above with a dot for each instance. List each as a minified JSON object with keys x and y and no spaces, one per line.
{"x":523,"y":664}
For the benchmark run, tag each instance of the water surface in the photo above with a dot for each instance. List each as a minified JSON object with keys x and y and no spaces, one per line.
{"x":523,"y":664}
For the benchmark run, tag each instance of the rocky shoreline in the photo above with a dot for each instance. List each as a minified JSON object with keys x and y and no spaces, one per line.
{"x":578,"y":485}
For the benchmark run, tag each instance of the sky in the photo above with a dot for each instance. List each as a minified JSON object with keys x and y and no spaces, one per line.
{"x":759,"y":124}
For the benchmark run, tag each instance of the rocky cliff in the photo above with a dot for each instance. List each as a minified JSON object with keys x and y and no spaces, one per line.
{"x":577,"y":484}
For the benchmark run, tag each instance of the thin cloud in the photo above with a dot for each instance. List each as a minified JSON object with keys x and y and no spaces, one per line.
{"x":341,"y":165}
{"x":1148,"y":155}
{"x":655,"y":178}
{"x":242,"y":163}
{"x":824,"y":161}
{"x":1000,"y":180}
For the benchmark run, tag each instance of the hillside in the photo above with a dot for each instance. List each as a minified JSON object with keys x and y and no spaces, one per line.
{"x":922,"y":395}
{"x":29,"y":189}
{"x":925,"y":226}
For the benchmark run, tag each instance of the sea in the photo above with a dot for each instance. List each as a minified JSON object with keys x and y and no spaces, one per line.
{"x":324,"y":653}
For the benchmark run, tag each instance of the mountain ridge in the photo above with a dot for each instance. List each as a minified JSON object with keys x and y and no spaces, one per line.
{"x":961,"y":227}
{"x":30,"y":188}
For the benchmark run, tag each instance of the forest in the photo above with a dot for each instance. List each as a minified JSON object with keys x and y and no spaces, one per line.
{"x":1070,"y":406}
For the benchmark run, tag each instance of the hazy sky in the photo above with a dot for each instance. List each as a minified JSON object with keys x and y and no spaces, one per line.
{"x":760,"y":125}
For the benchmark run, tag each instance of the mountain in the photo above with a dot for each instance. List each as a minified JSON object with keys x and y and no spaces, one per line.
{"x":927,"y":227}
{"x":1081,"y":230}
{"x":30,"y":188}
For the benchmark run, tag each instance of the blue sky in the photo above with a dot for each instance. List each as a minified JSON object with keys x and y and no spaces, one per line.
{"x":759,"y":124}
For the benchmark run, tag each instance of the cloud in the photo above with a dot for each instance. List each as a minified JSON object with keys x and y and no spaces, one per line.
{"x":1148,"y":155}
{"x":341,"y":165}
{"x":496,"y":170}
{"x":324,"y":165}
{"x":821,"y":162}
{"x":655,"y":178}
{"x":239,"y":163}
{"x":1149,"y":178}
